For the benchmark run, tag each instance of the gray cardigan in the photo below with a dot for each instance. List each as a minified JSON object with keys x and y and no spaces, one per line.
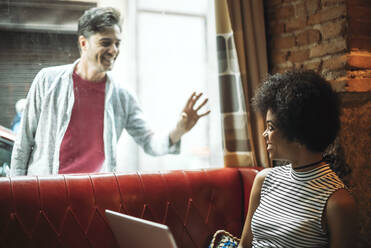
{"x":46,"y":117}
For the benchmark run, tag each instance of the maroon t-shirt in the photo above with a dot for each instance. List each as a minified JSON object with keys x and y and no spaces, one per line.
{"x":82,"y":148}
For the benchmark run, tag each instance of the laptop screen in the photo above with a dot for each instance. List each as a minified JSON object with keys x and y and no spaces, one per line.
{"x":130,"y":231}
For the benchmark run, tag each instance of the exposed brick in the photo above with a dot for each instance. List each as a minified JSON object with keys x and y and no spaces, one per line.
{"x":360,"y":28}
{"x":308,"y":37}
{"x":338,"y":84}
{"x":269,"y":13}
{"x":284,"y":12}
{"x":328,"y":48}
{"x":312,"y":6}
{"x":360,"y":43}
{"x":327,"y":14}
{"x":299,"y":66}
{"x":359,"y":85}
{"x":359,"y":74}
{"x":299,"y":56}
{"x":360,"y":13}
{"x":359,"y":3}
{"x":295,"y":24}
{"x":334,"y":75}
{"x":276,"y":28}
{"x":299,"y":9}
{"x":284,"y":42}
{"x":279,"y":57}
{"x":277,"y":69}
{"x":332,"y":2}
{"x":272,"y":3}
{"x":332,"y":29}
{"x":313,"y":65}
{"x":335,"y":62}
{"x":360,"y":60}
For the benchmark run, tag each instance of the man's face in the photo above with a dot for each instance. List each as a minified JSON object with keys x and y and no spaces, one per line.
{"x":100,"y":50}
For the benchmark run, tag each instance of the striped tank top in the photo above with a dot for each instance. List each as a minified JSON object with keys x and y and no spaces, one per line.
{"x":291,"y":207}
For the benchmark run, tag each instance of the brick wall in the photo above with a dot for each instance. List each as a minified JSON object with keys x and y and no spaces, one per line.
{"x":332,"y":37}
{"x":307,"y":34}
{"x":359,"y":42}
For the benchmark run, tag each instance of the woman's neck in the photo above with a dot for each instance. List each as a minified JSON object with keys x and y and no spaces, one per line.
{"x":306,"y":157}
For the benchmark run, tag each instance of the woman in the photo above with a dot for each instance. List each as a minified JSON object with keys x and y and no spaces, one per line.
{"x":304,"y":203}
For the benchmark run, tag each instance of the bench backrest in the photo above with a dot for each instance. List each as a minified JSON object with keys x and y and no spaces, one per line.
{"x":68,"y":211}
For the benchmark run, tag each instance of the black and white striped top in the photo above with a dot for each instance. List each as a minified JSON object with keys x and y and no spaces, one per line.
{"x":291,"y":207}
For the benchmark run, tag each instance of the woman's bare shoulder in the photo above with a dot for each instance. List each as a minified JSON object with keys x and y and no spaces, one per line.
{"x":260,"y":177}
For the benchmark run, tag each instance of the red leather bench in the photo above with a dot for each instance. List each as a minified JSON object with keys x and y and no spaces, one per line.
{"x":68,"y":211}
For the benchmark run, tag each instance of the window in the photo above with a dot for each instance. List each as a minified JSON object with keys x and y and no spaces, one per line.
{"x":168,"y":52}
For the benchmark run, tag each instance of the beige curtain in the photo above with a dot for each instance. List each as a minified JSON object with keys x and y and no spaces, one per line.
{"x":242,"y":61}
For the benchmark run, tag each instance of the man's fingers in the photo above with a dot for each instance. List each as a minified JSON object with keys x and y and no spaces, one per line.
{"x":206,"y":113}
{"x":190,"y":100}
{"x":194,"y":99}
{"x":198,"y":96}
{"x":191,"y":104}
{"x":201,"y":105}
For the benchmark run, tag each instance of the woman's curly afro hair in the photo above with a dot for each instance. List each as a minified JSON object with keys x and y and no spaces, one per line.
{"x":305,"y":107}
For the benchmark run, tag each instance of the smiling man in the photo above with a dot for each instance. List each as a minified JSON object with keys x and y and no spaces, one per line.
{"x":76,"y":113}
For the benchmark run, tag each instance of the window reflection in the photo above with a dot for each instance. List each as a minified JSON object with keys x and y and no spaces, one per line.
{"x":171,"y":53}
{"x":174,"y":54}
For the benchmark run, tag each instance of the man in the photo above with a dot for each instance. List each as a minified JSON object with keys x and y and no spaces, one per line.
{"x":75,"y":113}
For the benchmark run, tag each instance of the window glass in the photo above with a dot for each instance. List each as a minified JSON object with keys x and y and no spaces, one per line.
{"x":183,"y":6}
{"x":171,"y":66}
{"x":174,"y":55}
{"x":167,"y":52}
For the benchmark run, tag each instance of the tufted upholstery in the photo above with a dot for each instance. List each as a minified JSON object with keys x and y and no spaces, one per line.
{"x":68,"y":211}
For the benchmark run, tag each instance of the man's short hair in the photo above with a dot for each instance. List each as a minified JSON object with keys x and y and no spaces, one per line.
{"x":96,"y":20}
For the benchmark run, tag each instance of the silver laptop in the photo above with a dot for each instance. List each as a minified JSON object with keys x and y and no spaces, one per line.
{"x":134,"y":232}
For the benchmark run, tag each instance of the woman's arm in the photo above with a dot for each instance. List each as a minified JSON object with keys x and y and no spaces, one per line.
{"x":246,"y":238}
{"x":341,"y":219}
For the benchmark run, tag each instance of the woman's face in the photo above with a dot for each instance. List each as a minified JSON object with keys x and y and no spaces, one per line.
{"x":278,"y":147}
